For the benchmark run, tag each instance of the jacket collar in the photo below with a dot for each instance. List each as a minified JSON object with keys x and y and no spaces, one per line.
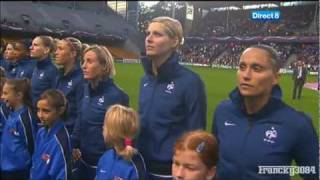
{"x":20,"y":109}
{"x":166,"y":70}
{"x":273,"y":102}
{"x":102,"y":85}
{"x":76,"y":70}
{"x":44,"y":62}
{"x":55,"y":127}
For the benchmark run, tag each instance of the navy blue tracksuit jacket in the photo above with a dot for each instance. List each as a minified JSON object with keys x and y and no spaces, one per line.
{"x":71,"y":85}
{"x":87,"y":134}
{"x":21,"y":69}
{"x":169,"y":105}
{"x":43,"y":78}
{"x":274,"y":136}
{"x":53,"y":154}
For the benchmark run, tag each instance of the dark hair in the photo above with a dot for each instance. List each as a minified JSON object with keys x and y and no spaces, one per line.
{"x":56,"y":99}
{"x":273,"y":54}
{"x":3,"y":46}
{"x":2,"y":79}
{"x":26,"y":43}
{"x":22,"y":85}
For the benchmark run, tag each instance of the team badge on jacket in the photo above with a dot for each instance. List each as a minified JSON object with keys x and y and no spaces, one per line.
{"x":170,"y":87}
{"x":271,"y":135}
{"x":46,"y":158}
{"x":41,"y":75}
{"x":14,"y":132}
{"x":69,"y":84}
{"x":101,"y":100}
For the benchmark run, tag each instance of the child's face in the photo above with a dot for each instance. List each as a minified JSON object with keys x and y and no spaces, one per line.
{"x":9,"y":96}
{"x":187,"y":165}
{"x":46,"y":113}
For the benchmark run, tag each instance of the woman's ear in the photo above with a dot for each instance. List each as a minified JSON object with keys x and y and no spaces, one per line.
{"x":276,"y":78}
{"x":175,"y":42}
{"x":47,"y":50}
{"x":62,"y":110}
{"x":19,"y":95}
{"x":73,"y":54}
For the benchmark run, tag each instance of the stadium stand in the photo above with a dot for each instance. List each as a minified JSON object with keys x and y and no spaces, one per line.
{"x":219,"y":37}
{"x":61,"y":19}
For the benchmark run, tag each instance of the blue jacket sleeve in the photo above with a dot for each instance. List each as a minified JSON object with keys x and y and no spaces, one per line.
{"x":306,"y":150}
{"x":58,"y":168}
{"x":196,"y":103}
{"x":125,"y":99}
{"x":75,"y":137}
{"x":54,"y":73}
{"x":214,"y":129}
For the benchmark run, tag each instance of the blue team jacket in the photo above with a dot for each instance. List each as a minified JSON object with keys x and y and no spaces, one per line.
{"x":87,"y":134}
{"x":169,"y":105}
{"x":22,"y":69}
{"x":71,"y":85}
{"x":18,"y":138}
{"x":3,"y":63}
{"x":112,"y":166}
{"x":52,"y":155}
{"x":4,"y":113}
{"x":43,"y":78}
{"x":274,"y":136}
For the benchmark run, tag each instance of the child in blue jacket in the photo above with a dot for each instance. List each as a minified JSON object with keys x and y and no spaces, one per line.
{"x":4,"y":110}
{"x":122,"y":161}
{"x":52,"y":156}
{"x":19,"y":131}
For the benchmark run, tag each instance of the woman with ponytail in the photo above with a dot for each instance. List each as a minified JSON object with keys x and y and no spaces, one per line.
{"x":122,"y":161}
{"x":70,"y":79}
{"x":99,"y":93}
{"x":45,"y":72}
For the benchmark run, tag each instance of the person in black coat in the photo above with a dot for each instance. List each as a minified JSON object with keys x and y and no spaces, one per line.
{"x":299,"y":78}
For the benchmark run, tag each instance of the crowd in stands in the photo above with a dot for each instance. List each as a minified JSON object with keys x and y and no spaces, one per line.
{"x":293,"y":21}
{"x":228,"y":54}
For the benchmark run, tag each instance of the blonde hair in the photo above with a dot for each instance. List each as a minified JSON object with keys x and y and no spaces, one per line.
{"x":48,"y":42}
{"x":74,"y":45}
{"x":173,"y":28}
{"x":105,"y":58}
{"x":121,"y":123}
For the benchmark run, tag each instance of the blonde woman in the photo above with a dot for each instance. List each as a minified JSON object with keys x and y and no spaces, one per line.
{"x":121,"y":125}
{"x":172,"y":98}
{"x":100,"y":92}
{"x":45,"y":73}
{"x":70,"y":80}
